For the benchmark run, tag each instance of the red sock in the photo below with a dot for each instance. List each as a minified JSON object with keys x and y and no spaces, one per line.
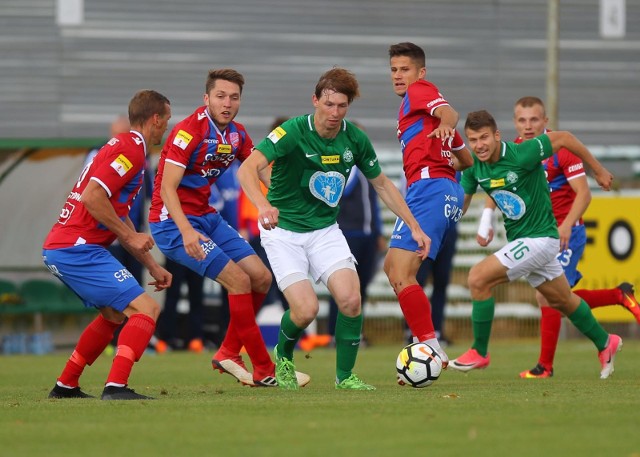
{"x":92,"y":342}
{"x":243,"y":322}
{"x":600,"y":297}
{"x":549,"y":333}
{"x":132,"y":342}
{"x":232,"y":343}
{"x":417,"y":311}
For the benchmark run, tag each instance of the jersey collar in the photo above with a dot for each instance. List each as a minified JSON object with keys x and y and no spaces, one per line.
{"x":313,"y":129}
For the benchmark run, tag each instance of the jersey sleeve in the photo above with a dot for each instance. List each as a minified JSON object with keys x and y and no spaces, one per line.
{"x":368,"y":160}
{"x":468,"y":181}
{"x":120,"y":165}
{"x":280,"y":141}
{"x":457,"y":143}
{"x":570,"y":164}
{"x":530,"y":153}
{"x":426,"y":96}
{"x":246,"y":148}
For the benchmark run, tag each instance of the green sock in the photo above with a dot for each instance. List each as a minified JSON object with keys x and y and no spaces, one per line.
{"x":288,"y":336}
{"x":481,"y":320}
{"x":584,"y":321}
{"x":348,"y":330}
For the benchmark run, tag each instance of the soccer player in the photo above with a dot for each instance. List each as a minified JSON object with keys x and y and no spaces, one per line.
{"x":432,"y":151}
{"x":512,"y":175}
{"x":570,"y":197}
{"x":192,"y":233}
{"x":312,"y":157}
{"x":94,"y":215}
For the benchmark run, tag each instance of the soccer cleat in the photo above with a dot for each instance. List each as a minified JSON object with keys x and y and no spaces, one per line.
{"x":122,"y":393}
{"x":608,"y":355}
{"x":285,"y":372}
{"x":267,"y":381}
{"x":353,"y":382}
{"x":537,"y":372}
{"x":470,"y":360}
{"x":63,"y":392}
{"x":233,"y":365}
{"x":629,"y":300}
{"x":196,"y":345}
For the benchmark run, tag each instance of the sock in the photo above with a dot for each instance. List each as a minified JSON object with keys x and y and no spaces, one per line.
{"x":243,"y":323}
{"x":584,"y":321}
{"x":481,"y":320}
{"x":550,"y":323}
{"x":417,"y":312}
{"x":93,"y":341}
{"x":288,"y":336}
{"x":133,"y":340}
{"x":232,"y":343}
{"x":600,"y":297}
{"x":348,"y":330}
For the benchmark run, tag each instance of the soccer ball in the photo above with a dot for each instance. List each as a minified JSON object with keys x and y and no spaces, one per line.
{"x":418,"y":365}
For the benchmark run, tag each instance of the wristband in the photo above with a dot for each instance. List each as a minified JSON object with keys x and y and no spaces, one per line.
{"x":486,"y":223}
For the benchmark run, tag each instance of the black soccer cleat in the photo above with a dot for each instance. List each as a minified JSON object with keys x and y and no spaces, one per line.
{"x":63,"y":392}
{"x":122,"y":393}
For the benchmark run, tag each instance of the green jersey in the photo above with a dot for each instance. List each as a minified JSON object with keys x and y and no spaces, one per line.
{"x":518,"y":185}
{"x":309,"y":172}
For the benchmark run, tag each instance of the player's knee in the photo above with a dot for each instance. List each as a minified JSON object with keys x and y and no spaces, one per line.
{"x":144,"y":304}
{"x":262,"y":281}
{"x":351,"y":305}
{"x":241,"y":283}
{"x":477,"y":282}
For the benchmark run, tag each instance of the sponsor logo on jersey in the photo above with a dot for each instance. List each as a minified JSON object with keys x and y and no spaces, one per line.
{"x":234,"y":138}
{"x":330,"y":159}
{"x":182,"y":139}
{"x":66,"y":213}
{"x":511,"y":205}
{"x":276,"y":134}
{"x":121,"y":165}
{"x":496,"y":183}
{"x":436,"y":102}
{"x":210,"y":141}
{"x":224,"y":149}
{"x":327,"y":187}
{"x":575,"y":167}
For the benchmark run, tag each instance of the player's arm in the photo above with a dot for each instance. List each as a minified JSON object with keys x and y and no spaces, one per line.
{"x":564,"y":139}
{"x":96,"y":200}
{"x":249,"y":175}
{"x":448,"y":121}
{"x":171,"y":177}
{"x":485,"y":227}
{"x":392,"y":197}
{"x":580,"y":204}
{"x":462,"y":159}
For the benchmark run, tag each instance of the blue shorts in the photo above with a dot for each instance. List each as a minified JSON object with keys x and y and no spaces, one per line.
{"x":94,"y":275}
{"x":437,"y":206}
{"x":570,"y":257}
{"x":226,"y":243}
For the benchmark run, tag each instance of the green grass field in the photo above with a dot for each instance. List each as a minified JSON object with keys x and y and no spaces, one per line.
{"x":201,"y":413}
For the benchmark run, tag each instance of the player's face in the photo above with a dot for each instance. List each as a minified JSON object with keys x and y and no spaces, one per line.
{"x":404,"y":72}
{"x":223,"y":102}
{"x":484,"y":143}
{"x":530,"y":122}
{"x":160,"y":126}
{"x":331,"y":108}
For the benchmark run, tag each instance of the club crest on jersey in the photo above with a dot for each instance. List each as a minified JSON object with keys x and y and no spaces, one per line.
{"x":327,"y":187}
{"x":182,"y":139}
{"x":121,"y":165}
{"x":234,"y":138}
{"x":512,"y":177}
{"x":347,"y":155}
{"x":511,"y":205}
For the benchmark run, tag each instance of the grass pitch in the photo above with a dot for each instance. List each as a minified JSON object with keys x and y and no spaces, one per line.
{"x":201,"y":413}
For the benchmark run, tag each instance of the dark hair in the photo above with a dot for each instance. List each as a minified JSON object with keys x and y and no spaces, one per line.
{"x":529,"y":101}
{"x":339,"y":80}
{"x":477,"y":120}
{"x":145,"y":104}
{"x":413,"y":51}
{"x":226,"y":74}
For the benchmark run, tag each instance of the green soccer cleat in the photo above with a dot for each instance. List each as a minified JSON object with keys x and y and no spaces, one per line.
{"x":285,"y":372}
{"x":353,"y":382}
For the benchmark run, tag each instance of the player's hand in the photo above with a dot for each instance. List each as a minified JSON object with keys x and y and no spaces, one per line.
{"x":604,"y":178}
{"x":424,"y":242}
{"x":162,"y":278}
{"x":443,"y":132}
{"x":191,"y":241}
{"x":484,"y":242}
{"x":138,"y":243}
{"x":268,"y":217}
{"x":565,"y":233}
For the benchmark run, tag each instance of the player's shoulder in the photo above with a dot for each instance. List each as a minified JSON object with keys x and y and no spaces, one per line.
{"x":195,"y":122}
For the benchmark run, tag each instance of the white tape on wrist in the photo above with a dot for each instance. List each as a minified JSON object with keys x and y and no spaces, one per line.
{"x":486,"y":223}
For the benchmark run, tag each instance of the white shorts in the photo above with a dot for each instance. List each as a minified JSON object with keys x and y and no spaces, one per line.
{"x":294,"y":256}
{"x":534,"y":258}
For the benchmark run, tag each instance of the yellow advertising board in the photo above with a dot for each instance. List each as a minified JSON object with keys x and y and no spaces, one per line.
{"x":612,"y":253}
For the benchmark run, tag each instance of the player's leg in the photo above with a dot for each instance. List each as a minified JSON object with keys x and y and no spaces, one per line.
{"x":143,"y":312}
{"x":559,"y":295}
{"x":550,"y":323}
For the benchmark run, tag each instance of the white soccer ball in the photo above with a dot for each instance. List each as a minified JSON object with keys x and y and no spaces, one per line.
{"x":418,"y":365}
